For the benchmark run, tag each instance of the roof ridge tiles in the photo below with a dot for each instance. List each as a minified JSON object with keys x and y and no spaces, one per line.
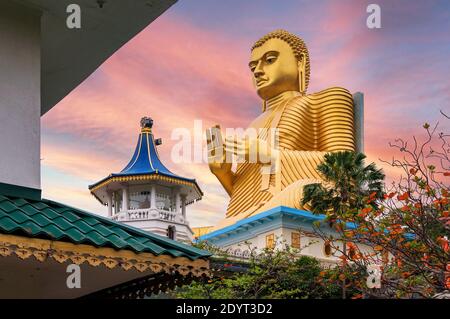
{"x":51,"y":220}
{"x":137,"y":231}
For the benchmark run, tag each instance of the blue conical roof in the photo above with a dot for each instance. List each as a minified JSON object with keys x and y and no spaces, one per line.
{"x":145,"y":159}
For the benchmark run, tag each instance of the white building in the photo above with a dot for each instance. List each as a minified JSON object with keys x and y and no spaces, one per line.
{"x":146,"y":195}
{"x":277,"y":228}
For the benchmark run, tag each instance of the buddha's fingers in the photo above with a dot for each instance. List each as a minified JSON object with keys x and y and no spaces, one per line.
{"x":231,"y":150}
{"x":230,"y":144}
{"x":236,"y":143}
{"x":235,"y":151}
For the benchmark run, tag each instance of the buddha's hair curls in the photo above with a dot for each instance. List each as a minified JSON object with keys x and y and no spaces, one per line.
{"x":295,"y":42}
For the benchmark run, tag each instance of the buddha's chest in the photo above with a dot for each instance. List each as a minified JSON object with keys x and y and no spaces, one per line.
{"x":263,"y":121}
{"x":291,"y":121}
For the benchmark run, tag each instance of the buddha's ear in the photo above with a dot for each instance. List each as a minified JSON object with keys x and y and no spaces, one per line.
{"x":301,"y":64}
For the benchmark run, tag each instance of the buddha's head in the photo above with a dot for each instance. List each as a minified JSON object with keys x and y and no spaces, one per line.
{"x":279,"y":62}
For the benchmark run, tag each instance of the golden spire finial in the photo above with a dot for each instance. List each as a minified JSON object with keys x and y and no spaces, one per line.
{"x":146,"y":124}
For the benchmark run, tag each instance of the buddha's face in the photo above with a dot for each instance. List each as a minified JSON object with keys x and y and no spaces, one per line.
{"x":275,"y":68}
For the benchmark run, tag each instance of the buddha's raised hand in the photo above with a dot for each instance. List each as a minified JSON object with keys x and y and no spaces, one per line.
{"x":217,"y":161}
{"x":250,"y":149}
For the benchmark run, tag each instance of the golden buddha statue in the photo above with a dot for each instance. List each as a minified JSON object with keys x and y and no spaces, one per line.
{"x":308,"y":127}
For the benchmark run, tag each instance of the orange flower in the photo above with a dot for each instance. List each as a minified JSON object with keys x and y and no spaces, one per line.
{"x":444,"y":243}
{"x":406,"y":274}
{"x":404,"y":196}
{"x":399,"y":263}
{"x":349,"y":233}
{"x":405,"y":208}
{"x":375,"y":234}
{"x":396,"y":229}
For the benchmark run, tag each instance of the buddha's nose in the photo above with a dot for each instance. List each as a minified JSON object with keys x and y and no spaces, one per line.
{"x":258,"y":72}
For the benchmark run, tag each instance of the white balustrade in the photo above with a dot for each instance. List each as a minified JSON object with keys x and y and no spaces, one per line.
{"x":148,"y":214}
{"x":166,"y":215}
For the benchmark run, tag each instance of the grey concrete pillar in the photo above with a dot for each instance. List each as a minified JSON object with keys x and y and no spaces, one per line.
{"x":153,"y":197}
{"x":125,"y":198}
{"x":183,"y":206}
{"x":358,"y":101}
{"x":110,"y":203}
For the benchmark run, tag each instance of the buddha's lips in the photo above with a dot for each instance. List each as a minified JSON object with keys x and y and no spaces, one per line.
{"x":258,"y":82}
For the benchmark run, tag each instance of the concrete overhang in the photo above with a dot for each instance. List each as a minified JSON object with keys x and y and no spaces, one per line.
{"x":69,"y":56}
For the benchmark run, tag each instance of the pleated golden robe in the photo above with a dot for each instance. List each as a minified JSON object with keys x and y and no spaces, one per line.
{"x":308,"y":127}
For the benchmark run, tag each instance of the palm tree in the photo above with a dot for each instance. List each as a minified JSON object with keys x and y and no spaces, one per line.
{"x":347,"y":184}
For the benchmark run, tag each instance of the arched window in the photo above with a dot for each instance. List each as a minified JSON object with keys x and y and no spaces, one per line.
{"x":171,"y":232}
{"x":327,"y":248}
{"x":270,"y":241}
{"x":295,"y":240}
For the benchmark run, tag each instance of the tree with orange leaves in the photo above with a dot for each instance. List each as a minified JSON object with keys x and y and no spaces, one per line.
{"x":407,"y":228}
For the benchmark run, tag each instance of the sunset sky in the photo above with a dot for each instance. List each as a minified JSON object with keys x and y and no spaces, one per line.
{"x":191,"y":64}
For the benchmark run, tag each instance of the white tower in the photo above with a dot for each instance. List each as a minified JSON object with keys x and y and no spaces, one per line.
{"x":146,"y":195}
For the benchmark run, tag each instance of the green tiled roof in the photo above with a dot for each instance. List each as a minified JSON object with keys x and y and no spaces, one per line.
{"x":47,"y":219}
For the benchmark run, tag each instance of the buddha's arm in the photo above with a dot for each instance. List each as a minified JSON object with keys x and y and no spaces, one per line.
{"x":336,"y":120}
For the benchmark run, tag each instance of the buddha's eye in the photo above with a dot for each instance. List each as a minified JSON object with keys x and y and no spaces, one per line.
{"x":270,"y":59}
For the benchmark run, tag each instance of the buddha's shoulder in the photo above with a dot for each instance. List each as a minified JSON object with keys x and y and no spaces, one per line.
{"x":333,"y":95}
{"x":332,"y":92}
{"x":335,"y":91}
